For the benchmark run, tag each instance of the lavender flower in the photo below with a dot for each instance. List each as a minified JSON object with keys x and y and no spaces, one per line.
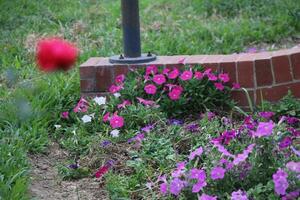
{"x":195,"y":153}
{"x":280,"y":182}
{"x":217,"y":173}
{"x":176,"y":186}
{"x":266,"y":114}
{"x":192,"y":127}
{"x":177,"y":122}
{"x":239,"y":195}
{"x":105,"y":143}
{"x":293,"y":166}
{"x":147,"y":128}
{"x":264,"y":129}
{"x":286,"y":142}
{"x":207,"y":197}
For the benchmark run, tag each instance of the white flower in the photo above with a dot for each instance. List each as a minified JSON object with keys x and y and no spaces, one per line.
{"x":86,"y":118}
{"x":100,"y":100}
{"x":115,"y":133}
{"x":117,"y":95}
{"x":57,"y":126}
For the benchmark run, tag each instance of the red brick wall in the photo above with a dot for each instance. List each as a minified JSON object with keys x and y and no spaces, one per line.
{"x":267,"y":75}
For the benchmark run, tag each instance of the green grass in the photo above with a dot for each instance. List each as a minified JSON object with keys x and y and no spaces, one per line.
{"x":29,"y":108}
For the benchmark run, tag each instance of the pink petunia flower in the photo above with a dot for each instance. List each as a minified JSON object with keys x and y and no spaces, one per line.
{"x":159,"y":79}
{"x":212,"y":77}
{"x":82,"y":106}
{"x":166,"y":71}
{"x":120,"y":78}
{"x":65,"y":115}
{"x":224,"y":77}
{"x":146,"y":102}
{"x":106,"y":117}
{"x":124,"y":104}
{"x":219,"y":86}
{"x":116,"y":121}
{"x":198,"y":75}
{"x":236,"y":86}
{"x":151,"y":69}
{"x":150,"y":89}
{"x":175,"y":92}
{"x":186,"y":75}
{"x":207,"y":71}
{"x":173,"y":74}
{"x":114,"y":88}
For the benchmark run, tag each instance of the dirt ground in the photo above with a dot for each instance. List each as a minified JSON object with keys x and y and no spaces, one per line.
{"x":46,"y":183}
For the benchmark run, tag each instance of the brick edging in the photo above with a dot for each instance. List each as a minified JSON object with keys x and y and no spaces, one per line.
{"x":266,"y":75}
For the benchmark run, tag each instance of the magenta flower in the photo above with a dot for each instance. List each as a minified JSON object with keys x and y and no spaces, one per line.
{"x":116,"y":121}
{"x":293,"y":166}
{"x":186,"y":75}
{"x":176,"y":186}
{"x":173,"y":74}
{"x":207,"y":197}
{"x":146,"y":102}
{"x":175,"y":92}
{"x":147,"y":78}
{"x":266,"y":114}
{"x":222,"y":149}
{"x":264,"y":129}
{"x":106,"y":117}
{"x":207,"y":71}
{"x":65,"y":115}
{"x":164,"y":188}
{"x":236,"y":86}
{"x":114,"y":88}
{"x":151,"y":69}
{"x":224,"y":77}
{"x":212,"y":77}
{"x":219,"y":86}
{"x":179,"y":170}
{"x":198,"y":186}
{"x":243,"y":156}
{"x":198,"y":75}
{"x":217,"y":173}
{"x":286,"y":142}
{"x":124,"y":104}
{"x":82,"y":106}
{"x":159,"y":79}
{"x":120,"y":79}
{"x":150,"y":89}
{"x":239,"y":195}
{"x":200,"y":176}
{"x":280,"y":182}
{"x":292,"y":120}
{"x":195,"y":153}
{"x":166,"y":71}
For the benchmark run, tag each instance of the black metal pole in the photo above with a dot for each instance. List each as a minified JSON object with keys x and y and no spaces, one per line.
{"x":131,"y":28}
{"x":131,"y":36}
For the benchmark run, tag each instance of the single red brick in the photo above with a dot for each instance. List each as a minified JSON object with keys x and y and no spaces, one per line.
{"x":272,"y":94}
{"x":282,"y":70}
{"x":241,"y":98}
{"x":87,"y":85}
{"x":245,"y":74}
{"x":87,"y":72}
{"x":295,"y":59}
{"x":295,"y":88}
{"x":229,"y":68}
{"x":104,"y":78}
{"x":263,"y":72}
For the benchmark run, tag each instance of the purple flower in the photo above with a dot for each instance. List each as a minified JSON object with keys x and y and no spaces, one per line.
{"x":147,"y":129}
{"x":226,"y":121}
{"x":292,"y":195}
{"x":192,"y":127}
{"x":264,"y":129}
{"x":105,"y":143}
{"x":207,"y":197}
{"x":73,"y":166}
{"x":210,"y":115}
{"x":200,"y":175}
{"x":239,"y":195}
{"x":293,"y":166}
{"x":176,"y":186}
{"x":222,"y":149}
{"x":164,"y":188}
{"x":280,"y":182}
{"x":243,"y":156}
{"x":266,"y":114}
{"x":292,"y":120}
{"x":177,"y":122}
{"x":198,"y":186}
{"x":217,"y":173}
{"x":65,"y":115}
{"x":195,"y":153}
{"x":245,"y":168}
{"x":179,"y":170}
{"x":295,"y":151}
{"x":286,"y":142}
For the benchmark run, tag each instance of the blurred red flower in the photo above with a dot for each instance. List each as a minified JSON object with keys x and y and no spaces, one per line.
{"x":55,"y":54}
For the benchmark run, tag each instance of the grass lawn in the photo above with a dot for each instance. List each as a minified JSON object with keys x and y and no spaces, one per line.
{"x":31,"y":102}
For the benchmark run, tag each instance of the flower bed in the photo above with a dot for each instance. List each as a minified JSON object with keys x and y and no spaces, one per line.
{"x":165,"y":134}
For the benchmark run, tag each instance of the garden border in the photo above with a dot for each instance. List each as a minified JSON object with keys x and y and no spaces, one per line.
{"x":266,"y":75}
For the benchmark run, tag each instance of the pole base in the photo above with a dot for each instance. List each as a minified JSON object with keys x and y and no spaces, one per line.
{"x":144,"y":58}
